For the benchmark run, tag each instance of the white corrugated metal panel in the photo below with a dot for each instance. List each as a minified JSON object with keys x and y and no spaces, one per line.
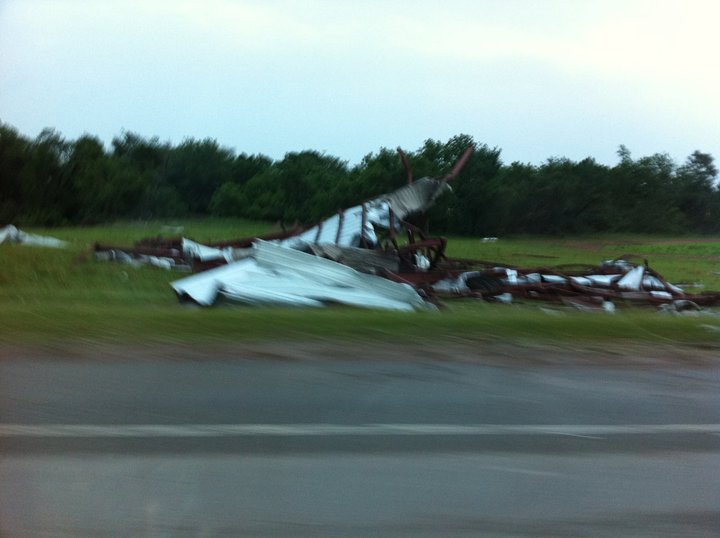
{"x":327,"y":232}
{"x":328,"y":272}
{"x":203,"y":287}
{"x":279,"y":275}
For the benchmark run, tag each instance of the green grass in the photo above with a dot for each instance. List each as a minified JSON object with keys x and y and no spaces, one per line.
{"x":125,"y":233}
{"x":53,"y":295}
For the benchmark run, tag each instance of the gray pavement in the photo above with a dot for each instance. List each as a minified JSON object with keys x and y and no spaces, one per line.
{"x":245,"y":447}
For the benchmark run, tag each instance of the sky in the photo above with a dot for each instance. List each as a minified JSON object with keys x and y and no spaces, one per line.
{"x":537,"y":79}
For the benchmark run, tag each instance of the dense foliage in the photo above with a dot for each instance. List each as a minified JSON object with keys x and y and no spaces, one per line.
{"x":54,"y":181}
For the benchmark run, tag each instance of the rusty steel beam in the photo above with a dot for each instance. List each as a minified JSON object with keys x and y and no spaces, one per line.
{"x":460,"y":164}
{"x":406,"y":164}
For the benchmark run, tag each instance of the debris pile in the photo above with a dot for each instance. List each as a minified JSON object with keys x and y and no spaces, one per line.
{"x":599,"y":286}
{"x":371,"y":256}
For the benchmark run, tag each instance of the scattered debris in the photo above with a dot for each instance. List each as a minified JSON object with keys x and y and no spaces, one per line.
{"x":137,"y":259}
{"x":182,"y":254}
{"x":681,"y":306}
{"x":10,"y":234}
{"x":584,"y":287}
{"x":370,"y":256}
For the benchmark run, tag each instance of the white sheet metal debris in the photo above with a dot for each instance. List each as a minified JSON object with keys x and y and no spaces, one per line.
{"x":10,"y":234}
{"x":120,"y":256}
{"x":416,"y":197}
{"x":355,"y":227}
{"x":350,"y":228}
{"x":193,"y":250}
{"x":276,"y":275}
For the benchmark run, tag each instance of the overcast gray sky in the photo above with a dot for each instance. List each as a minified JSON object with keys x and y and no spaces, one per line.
{"x":537,"y":79}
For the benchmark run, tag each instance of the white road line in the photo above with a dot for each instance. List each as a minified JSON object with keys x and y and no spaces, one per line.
{"x":306,"y":430}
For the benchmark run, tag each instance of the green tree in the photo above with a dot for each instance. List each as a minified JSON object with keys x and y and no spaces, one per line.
{"x":229,"y":200}
{"x":245,"y":167}
{"x":46,"y":187}
{"x":697,"y":193}
{"x":106,"y":187}
{"x":14,"y":157}
{"x":307,"y":181}
{"x":466,"y":212}
{"x":139,"y":154}
{"x":377,"y":173}
{"x":563,"y":196}
{"x":148,"y":160}
{"x":509,"y":196}
{"x":196,"y":169}
{"x":643,"y":195}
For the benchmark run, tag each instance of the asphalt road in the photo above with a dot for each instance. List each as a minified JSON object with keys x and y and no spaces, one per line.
{"x":254,"y":447}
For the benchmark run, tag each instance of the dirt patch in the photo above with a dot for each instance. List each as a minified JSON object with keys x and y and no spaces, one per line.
{"x":496,"y":353}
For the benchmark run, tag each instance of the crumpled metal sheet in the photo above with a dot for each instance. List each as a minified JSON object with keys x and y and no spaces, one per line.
{"x":374,"y":262}
{"x":416,"y":197}
{"x":277,"y":275}
{"x":355,"y":227}
{"x":352,"y":227}
{"x":10,"y":234}
{"x":192,"y":250}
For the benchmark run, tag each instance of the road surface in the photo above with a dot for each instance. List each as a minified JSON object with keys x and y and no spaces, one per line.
{"x":251,"y":446}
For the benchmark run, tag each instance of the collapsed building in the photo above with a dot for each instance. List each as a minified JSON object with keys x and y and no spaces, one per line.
{"x":370,"y":256}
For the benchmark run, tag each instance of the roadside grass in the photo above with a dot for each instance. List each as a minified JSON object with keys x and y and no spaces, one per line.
{"x":64,"y":295}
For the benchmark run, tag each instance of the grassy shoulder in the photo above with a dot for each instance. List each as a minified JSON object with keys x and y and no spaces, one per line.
{"x":49,"y":296}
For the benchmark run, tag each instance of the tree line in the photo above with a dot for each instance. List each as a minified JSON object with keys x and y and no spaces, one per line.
{"x":52,"y":181}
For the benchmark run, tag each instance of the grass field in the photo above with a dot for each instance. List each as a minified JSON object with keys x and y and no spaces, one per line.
{"x":64,"y":295}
